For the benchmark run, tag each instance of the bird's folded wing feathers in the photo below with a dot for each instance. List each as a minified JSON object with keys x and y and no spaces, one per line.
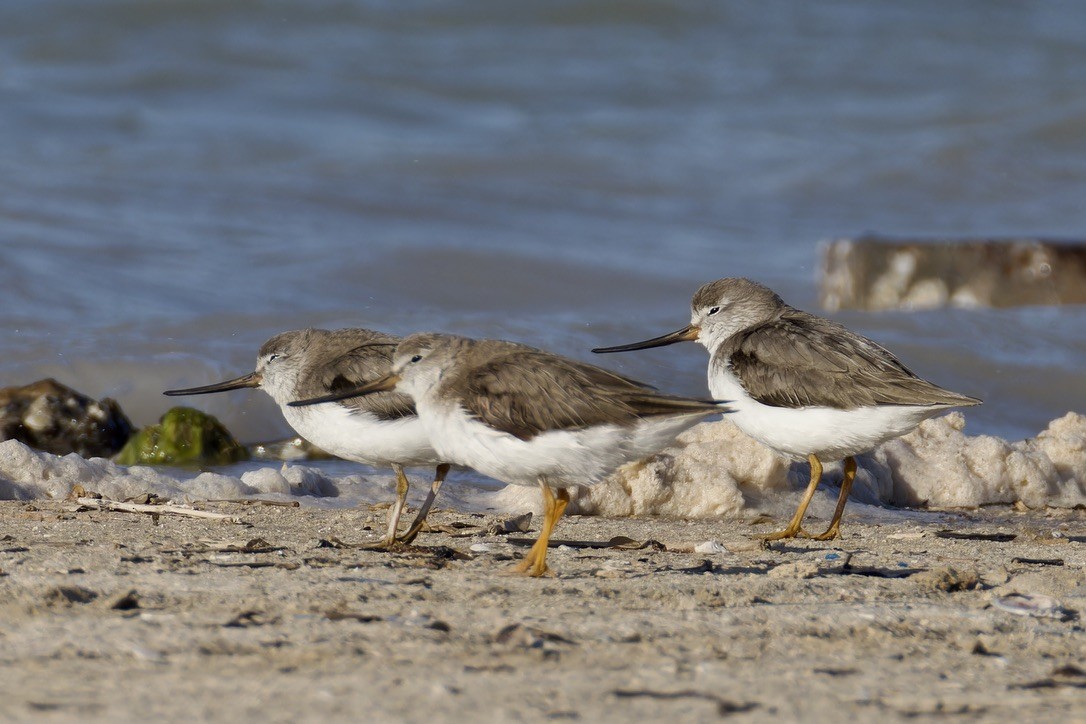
{"x":800,"y":360}
{"x":355,"y":368}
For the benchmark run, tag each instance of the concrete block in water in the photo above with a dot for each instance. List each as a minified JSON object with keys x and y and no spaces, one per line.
{"x":876,"y":273}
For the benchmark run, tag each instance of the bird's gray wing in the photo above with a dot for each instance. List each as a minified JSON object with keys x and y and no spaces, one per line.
{"x":800,"y":360}
{"x":526,"y":392}
{"x":355,"y":367}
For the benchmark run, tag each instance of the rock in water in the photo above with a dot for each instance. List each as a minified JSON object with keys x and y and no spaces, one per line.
{"x":55,"y":418}
{"x":183,"y":436}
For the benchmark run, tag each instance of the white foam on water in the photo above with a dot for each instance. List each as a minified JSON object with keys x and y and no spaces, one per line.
{"x":27,"y":474}
{"x":712,"y":471}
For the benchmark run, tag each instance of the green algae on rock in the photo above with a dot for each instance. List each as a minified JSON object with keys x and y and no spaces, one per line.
{"x":183,"y":436}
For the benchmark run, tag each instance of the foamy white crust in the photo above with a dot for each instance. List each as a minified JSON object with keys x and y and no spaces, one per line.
{"x":712,"y":470}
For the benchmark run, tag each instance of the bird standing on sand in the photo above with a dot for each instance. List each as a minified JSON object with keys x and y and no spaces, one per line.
{"x":802,"y":385}
{"x":529,"y":417}
{"x":377,"y":430}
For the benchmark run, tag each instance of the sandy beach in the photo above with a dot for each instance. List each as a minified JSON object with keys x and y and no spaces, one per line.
{"x":183,"y":181}
{"x":120,"y":616}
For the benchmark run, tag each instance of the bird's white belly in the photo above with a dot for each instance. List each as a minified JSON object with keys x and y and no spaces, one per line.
{"x":829,"y":433}
{"x":564,"y":457}
{"x":361,"y":437}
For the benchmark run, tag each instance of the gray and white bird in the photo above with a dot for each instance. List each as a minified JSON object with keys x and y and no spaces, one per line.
{"x":529,"y":417}
{"x":804,"y":386}
{"x":379,"y":430}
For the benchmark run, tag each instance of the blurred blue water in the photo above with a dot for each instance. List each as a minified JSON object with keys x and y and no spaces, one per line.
{"x":180,"y":179}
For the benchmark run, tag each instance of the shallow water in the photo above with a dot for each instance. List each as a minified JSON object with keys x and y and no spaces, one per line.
{"x":180,"y":180}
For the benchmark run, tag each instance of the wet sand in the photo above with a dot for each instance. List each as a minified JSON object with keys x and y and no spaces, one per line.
{"x":110,"y":615}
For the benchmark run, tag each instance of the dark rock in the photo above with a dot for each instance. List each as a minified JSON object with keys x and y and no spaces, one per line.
{"x":67,"y":595}
{"x":874,"y":273}
{"x":183,"y":436}
{"x":125,"y":601}
{"x":49,"y":416}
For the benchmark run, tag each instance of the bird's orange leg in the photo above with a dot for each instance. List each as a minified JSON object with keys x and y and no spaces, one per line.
{"x":795,"y":526}
{"x":834,"y":531}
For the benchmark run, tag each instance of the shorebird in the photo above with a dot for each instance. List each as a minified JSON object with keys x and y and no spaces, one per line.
{"x":379,"y":430}
{"x":804,"y":386}
{"x":529,"y":417}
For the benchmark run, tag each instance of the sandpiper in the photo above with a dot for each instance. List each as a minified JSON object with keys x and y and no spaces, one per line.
{"x":804,"y":386}
{"x":377,"y":430}
{"x":529,"y":417}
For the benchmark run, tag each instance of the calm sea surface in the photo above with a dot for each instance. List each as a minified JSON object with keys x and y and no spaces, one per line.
{"x":181,"y":179}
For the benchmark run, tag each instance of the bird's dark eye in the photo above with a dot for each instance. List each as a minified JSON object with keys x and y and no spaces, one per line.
{"x":714,"y":310}
{"x":272,"y":357}
{"x":416,"y":358}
